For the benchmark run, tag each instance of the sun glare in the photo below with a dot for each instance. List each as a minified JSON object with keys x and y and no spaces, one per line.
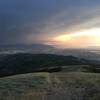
{"x":84,"y":38}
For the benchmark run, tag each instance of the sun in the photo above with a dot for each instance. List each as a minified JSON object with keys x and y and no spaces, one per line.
{"x":90,"y":37}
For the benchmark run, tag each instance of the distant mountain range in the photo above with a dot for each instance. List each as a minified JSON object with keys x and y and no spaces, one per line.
{"x":25,"y":46}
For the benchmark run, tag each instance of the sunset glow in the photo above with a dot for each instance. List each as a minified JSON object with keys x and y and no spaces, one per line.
{"x":84,"y":38}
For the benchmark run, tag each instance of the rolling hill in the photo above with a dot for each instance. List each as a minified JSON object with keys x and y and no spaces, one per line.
{"x":28,"y":63}
{"x":48,"y":77}
{"x":51,"y":86}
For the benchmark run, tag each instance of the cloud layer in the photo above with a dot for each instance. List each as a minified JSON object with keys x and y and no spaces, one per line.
{"x":33,"y":21}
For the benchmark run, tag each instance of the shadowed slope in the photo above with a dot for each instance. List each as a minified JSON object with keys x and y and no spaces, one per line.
{"x":28,"y":63}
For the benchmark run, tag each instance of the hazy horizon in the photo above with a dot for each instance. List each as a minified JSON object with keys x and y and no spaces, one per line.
{"x":60,"y":23}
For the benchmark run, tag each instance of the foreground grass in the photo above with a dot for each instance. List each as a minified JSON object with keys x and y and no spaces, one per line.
{"x":23,"y":87}
{"x":54,"y":86}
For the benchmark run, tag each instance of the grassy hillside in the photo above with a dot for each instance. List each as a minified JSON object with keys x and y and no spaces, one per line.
{"x":54,"y":86}
{"x":24,"y":87}
{"x":61,"y":78}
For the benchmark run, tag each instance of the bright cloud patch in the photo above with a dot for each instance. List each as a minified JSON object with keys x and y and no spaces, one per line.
{"x":79,"y":39}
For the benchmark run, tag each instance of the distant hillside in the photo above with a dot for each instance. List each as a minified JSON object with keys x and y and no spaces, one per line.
{"x":26,"y":63}
{"x":24,"y":46}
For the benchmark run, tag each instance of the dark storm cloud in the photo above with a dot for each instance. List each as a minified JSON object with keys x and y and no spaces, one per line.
{"x":22,"y":19}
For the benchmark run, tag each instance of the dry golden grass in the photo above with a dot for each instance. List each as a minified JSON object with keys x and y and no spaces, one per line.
{"x":54,"y":86}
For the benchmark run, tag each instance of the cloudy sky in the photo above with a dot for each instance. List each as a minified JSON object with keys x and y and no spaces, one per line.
{"x":63,"y":23}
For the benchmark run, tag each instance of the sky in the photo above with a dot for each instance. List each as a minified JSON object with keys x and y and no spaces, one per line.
{"x":61,"y":23}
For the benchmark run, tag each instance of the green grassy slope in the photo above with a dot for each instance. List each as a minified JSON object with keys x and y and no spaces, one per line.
{"x":54,"y":86}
